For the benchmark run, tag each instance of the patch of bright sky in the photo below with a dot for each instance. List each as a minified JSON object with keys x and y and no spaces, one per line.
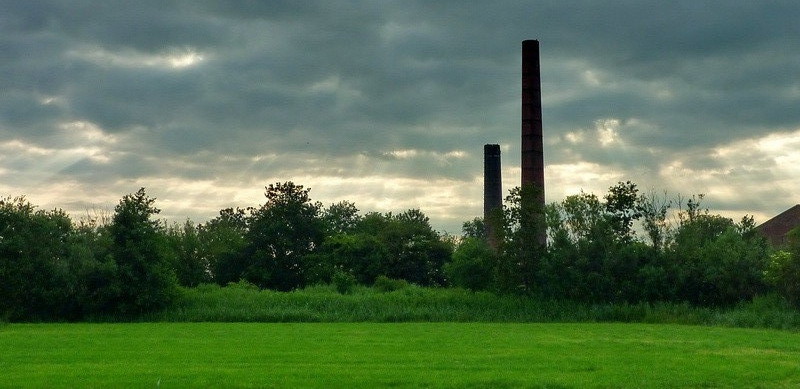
{"x":87,"y":131}
{"x":174,"y":59}
{"x":773,"y":162}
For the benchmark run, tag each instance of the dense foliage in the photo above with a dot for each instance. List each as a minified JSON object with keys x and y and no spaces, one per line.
{"x":623,"y":248}
{"x":51,"y":268}
{"x":783,"y":270}
{"x":594,"y":253}
{"x":144,"y":279}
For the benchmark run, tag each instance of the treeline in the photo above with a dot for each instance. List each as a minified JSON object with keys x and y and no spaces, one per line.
{"x":623,"y":248}
{"x":627,"y":247}
{"x":53,"y":268}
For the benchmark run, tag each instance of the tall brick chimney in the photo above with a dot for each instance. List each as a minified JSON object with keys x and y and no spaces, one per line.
{"x":532,"y":148}
{"x":492,"y":192}
{"x":532,"y":155}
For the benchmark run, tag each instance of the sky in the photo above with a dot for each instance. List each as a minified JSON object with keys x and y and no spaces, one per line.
{"x":388,"y":104}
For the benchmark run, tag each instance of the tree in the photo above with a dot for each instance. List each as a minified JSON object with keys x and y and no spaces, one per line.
{"x":783,"y":270}
{"x":653,"y":210}
{"x":37,"y":274}
{"x":414,"y":251}
{"x":359,"y":254}
{"x":584,"y":217}
{"x":281,"y":234}
{"x":621,"y":209}
{"x":91,"y":250}
{"x":472,"y":266}
{"x":340,"y":218}
{"x":475,"y":228}
{"x":222,"y":241}
{"x":191,"y":266}
{"x":521,"y":250}
{"x":145,"y":276}
{"x":593,"y":254}
{"x":719,"y":262}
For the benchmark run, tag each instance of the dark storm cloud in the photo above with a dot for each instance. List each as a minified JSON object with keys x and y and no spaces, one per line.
{"x":211,"y":90}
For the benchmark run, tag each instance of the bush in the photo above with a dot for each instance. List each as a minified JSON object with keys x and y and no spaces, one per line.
{"x":783,"y":273}
{"x":359,"y":254}
{"x":414,"y":251}
{"x":385,"y":284}
{"x":37,"y":273}
{"x":242,"y":285}
{"x":344,"y":282}
{"x":472,"y":266}
{"x":718,"y":262}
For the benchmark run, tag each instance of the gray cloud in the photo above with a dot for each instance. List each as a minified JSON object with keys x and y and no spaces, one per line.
{"x":240,"y":93}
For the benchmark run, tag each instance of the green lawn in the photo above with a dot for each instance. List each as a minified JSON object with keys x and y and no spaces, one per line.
{"x":395,"y":355}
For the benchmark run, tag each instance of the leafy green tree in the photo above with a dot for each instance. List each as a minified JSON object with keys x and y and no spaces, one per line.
{"x":145,"y":276}
{"x":37,"y":275}
{"x":402,"y":246}
{"x":578,"y":263}
{"x":621,"y":209}
{"x":783,"y":270}
{"x":281,"y":234}
{"x":719,"y":262}
{"x":585,"y":218}
{"x":472,"y":266}
{"x":593,"y":255}
{"x":417,"y":253}
{"x":222,"y":242}
{"x":653,"y":210}
{"x":414,"y":251}
{"x":521,"y":250}
{"x":475,"y":228}
{"x":340,"y":218}
{"x":90,"y":248}
{"x":192,"y":267}
{"x":360,"y":254}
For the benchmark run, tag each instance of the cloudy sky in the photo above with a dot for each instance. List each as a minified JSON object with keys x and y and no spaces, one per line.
{"x":388,"y":103}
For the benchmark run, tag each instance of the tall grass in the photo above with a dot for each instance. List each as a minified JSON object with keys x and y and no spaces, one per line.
{"x":211,"y":303}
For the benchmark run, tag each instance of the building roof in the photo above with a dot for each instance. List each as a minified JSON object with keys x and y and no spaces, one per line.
{"x":775,"y":229}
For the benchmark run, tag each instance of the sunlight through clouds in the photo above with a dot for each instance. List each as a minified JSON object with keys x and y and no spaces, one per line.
{"x":562,"y":180}
{"x":172,"y":59}
{"x":607,"y":131}
{"x":756,"y":171}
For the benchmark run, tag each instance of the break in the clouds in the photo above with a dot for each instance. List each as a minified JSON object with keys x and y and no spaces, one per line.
{"x":388,"y":104}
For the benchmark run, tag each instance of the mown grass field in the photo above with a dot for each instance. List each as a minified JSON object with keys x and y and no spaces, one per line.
{"x":395,"y":355}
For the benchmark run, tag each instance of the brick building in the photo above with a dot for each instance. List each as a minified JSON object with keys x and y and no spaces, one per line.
{"x":775,"y":229}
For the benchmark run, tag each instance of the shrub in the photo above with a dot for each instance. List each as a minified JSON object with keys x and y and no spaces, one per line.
{"x":344,"y":282}
{"x":472,"y":266}
{"x":783,"y":273}
{"x":242,"y":285}
{"x":359,"y":254}
{"x":37,"y":274}
{"x":385,"y":284}
{"x":414,"y":251}
{"x":719,"y":262}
